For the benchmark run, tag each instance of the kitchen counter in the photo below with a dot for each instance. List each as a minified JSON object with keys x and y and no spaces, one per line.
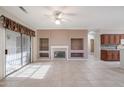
{"x":111,"y":49}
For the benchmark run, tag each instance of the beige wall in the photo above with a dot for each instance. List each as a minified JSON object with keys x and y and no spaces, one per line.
{"x":60,"y":37}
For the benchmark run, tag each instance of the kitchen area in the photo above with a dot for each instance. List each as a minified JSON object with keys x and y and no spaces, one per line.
{"x":109,"y":47}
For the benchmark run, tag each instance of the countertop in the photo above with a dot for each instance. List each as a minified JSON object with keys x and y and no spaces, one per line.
{"x":111,"y":49}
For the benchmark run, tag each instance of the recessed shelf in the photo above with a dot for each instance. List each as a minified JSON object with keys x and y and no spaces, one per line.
{"x":44,"y":44}
{"x":43,"y":54}
{"x":76,"y":43}
{"x":77,"y":54}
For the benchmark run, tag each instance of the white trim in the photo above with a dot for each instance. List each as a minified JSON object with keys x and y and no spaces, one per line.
{"x":2,"y":52}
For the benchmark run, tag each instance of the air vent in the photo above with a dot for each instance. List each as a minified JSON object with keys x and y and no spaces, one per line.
{"x":23,"y":9}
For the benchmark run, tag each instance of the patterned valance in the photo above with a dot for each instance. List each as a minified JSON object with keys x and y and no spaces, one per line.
{"x":14,"y":26}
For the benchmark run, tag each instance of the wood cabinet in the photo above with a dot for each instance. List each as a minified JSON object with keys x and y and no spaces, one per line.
{"x":103,"y":54}
{"x":116,"y":55}
{"x":105,"y":39}
{"x":111,"y":39}
{"x":102,"y":39}
{"x":110,"y":55}
{"x":117,"y":39}
{"x":122,"y":36}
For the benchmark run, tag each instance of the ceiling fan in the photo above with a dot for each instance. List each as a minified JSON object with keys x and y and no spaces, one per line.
{"x":58,"y":16}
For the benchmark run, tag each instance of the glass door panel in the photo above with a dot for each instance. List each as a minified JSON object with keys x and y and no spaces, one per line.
{"x":13,"y":49}
{"x":26,"y":49}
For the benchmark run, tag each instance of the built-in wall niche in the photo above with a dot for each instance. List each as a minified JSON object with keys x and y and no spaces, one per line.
{"x":43,"y":47}
{"x":77,"y":47}
{"x":77,"y":44}
{"x":44,"y":44}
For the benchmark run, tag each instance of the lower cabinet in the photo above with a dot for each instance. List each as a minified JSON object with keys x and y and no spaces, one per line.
{"x":116,"y":55}
{"x":109,"y":55}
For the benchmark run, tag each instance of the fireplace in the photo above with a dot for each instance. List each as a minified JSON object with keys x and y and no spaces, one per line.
{"x":59,"y":52}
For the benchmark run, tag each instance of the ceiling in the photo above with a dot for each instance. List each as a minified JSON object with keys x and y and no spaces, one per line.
{"x":86,"y":17}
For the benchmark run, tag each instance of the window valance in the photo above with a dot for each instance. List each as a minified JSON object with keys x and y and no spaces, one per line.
{"x":14,"y":26}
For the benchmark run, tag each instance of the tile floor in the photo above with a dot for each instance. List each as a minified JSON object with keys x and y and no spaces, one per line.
{"x":86,"y":73}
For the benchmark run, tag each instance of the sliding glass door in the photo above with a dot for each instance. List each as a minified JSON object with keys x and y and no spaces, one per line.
{"x":18,"y":51}
{"x":26,"y":49}
{"x":13,"y":51}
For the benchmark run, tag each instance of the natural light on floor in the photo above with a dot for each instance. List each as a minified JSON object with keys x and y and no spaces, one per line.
{"x":32,"y":71}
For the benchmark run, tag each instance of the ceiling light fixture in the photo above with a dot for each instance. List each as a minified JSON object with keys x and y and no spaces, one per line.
{"x":57,"y":22}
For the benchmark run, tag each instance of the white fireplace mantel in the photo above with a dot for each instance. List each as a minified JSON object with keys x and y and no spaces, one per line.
{"x":61,"y":48}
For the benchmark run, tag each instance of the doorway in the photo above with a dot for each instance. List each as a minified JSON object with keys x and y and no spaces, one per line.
{"x":92,"y":45}
{"x":91,"y":42}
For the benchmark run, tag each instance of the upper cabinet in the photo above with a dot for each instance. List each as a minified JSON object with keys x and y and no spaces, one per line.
{"x":122,"y":36}
{"x":117,"y":39}
{"x":113,"y":39}
{"x":105,"y":39}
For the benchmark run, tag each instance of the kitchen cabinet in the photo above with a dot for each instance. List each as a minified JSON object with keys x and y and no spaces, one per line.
{"x":116,"y":55}
{"x":117,"y":39}
{"x":102,"y":39}
{"x":111,"y":39}
{"x":103,"y":54}
{"x":105,"y":39}
{"x":110,"y":55}
{"x":122,"y":36}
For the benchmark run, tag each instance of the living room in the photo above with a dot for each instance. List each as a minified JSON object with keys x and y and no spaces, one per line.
{"x":51,"y":46}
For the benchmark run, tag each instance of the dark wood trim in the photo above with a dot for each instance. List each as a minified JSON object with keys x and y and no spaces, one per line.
{"x":14,"y":26}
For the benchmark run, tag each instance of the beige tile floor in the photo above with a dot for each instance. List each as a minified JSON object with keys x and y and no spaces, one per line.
{"x":87,"y":73}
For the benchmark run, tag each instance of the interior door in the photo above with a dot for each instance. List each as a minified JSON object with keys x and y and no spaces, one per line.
{"x":13,"y":51}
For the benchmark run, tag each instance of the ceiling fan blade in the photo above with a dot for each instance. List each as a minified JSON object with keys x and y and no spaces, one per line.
{"x":65,"y":20}
{"x":49,"y":16}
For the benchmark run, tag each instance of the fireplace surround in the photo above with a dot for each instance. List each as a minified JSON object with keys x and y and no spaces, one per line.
{"x":59,"y":52}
